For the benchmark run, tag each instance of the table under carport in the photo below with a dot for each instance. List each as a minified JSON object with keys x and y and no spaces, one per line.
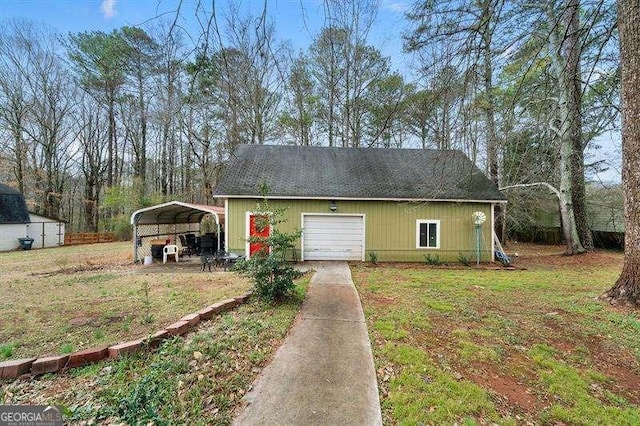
{"x":168,"y":221}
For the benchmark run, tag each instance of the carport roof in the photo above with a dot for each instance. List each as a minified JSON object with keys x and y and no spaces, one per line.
{"x":175,"y":212}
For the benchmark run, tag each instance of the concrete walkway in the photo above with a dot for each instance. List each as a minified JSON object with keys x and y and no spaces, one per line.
{"x":324,"y":372}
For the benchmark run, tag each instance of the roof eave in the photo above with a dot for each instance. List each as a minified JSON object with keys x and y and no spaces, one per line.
{"x":421,"y":200}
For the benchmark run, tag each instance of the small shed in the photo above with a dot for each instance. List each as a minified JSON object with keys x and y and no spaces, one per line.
{"x":169,"y":220}
{"x":17,"y":222}
{"x":14,"y":218}
{"x":606,"y":222}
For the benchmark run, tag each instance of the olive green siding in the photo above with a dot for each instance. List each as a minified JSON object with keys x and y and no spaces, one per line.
{"x":390,"y":226}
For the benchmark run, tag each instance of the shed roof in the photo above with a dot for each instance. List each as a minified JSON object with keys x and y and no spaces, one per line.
{"x":175,"y":212}
{"x":605,"y":218}
{"x":13,"y":208}
{"x":37,"y":215}
{"x":355,"y":173}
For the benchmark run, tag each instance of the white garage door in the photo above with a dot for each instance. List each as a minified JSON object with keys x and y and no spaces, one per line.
{"x":333,"y":237}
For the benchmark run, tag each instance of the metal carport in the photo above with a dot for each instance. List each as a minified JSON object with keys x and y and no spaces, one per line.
{"x":169,"y":219}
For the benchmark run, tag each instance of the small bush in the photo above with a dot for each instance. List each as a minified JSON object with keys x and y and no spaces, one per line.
{"x":272,"y":277}
{"x":6,"y":351}
{"x":66,"y":348}
{"x":464,"y":259}
{"x":146,"y":303}
{"x":373,"y":257}
{"x":432,"y":260}
{"x":271,"y":274}
{"x":119,"y":225}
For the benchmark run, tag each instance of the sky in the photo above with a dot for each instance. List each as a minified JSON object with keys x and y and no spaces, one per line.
{"x":296,"y":21}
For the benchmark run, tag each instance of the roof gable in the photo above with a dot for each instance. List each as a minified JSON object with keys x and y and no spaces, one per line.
{"x":358,"y":173}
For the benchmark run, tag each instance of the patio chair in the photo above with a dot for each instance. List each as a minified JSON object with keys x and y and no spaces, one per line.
{"x":169,"y":250}
{"x":207,"y":244}
{"x":187,"y":250}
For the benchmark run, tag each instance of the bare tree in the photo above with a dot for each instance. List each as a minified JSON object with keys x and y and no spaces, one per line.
{"x":298,"y":118}
{"x":14,"y":105}
{"x":39,"y":103}
{"x":90,"y":133}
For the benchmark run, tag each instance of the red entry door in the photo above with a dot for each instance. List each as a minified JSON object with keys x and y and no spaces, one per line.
{"x":258,"y":227}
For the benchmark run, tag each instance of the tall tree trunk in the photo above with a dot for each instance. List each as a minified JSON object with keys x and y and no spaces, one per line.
{"x":112,"y":135}
{"x":566,"y":203}
{"x":91,"y":191}
{"x":564,"y":133}
{"x":492,"y":135}
{"x":627,"y":288}
{"x":141,"y":167}
{"x":20,"y":153}
{"x":572,"y":52}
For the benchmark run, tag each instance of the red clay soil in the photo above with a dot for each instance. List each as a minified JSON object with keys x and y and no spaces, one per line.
{"x":512,"y":392}
{"x":554,"y":255}
{"x":514,"y":384}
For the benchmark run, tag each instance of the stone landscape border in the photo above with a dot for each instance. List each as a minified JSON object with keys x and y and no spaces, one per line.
{"x":13,"y":369}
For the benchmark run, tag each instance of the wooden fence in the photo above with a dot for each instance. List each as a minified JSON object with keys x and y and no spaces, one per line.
{"x":89,"y":238}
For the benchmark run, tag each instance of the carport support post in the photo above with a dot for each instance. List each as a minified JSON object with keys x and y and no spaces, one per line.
{"x":218,"y":223}
{"x":135,"y":243}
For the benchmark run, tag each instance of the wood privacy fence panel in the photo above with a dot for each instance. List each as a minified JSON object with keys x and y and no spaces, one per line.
{"x":89,"y":238}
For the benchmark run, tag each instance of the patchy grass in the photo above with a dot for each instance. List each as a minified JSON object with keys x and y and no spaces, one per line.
{"x":70,"y":298}
{"x":503,"y":346}
{"x":198,"y":380}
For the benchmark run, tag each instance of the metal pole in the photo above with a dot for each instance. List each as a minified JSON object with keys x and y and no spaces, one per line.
{"x":477,"y":245}
{"x":135,"y":242}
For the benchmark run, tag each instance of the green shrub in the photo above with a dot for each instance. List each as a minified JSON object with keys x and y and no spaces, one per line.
{"x":6,"y":351}
{"x":464,"y":259}
{"x":271,"y":274}
{"x":119,"y":225}
{"x":66,"y":348}
{"x":373,"y":257}
{"x":432,"y":260}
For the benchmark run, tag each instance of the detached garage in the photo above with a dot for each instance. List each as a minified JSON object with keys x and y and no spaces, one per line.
{"x":352,"y":203}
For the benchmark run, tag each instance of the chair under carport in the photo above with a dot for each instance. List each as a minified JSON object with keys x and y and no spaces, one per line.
{"x":169,"y":221}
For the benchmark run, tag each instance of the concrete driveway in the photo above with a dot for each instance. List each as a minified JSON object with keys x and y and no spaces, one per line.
{"x":324,"y":371}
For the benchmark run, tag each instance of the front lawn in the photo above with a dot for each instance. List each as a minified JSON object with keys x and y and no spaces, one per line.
{"x":69,"y":298}
{"x":512,"y":347}
{"x":199,"y":380}
{"x":65,"y":299}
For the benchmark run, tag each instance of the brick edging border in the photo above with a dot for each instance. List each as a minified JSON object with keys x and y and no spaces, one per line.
{"x":12,"y":369}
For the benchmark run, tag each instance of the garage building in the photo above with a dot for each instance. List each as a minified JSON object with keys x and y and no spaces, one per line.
{"x":400,"y":204}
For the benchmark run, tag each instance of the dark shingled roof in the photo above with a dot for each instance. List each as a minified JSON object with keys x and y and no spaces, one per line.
{"x":13,"y":208}
{"x":359,"y":173}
